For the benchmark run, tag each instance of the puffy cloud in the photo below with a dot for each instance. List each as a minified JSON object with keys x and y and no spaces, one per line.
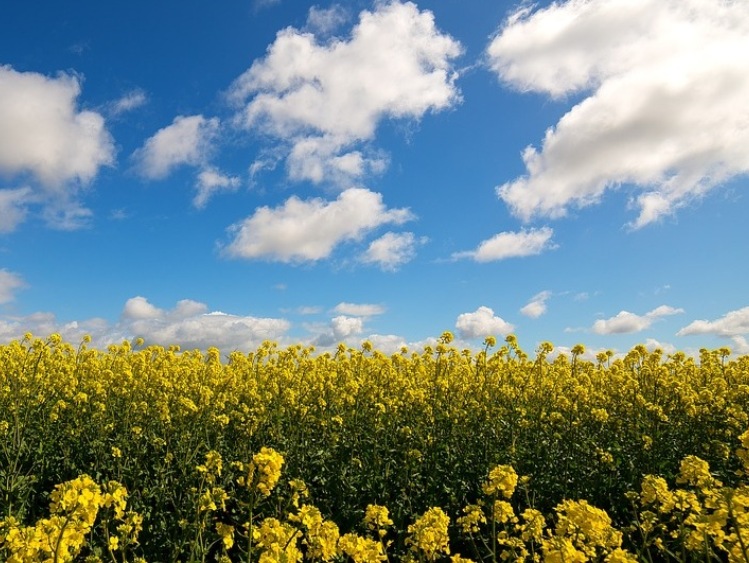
{"x":665,"y":101}
{"x":341,"y":328}
{"x":733,"y":323}
{"x":309,"y":230}
{"x":537,"y":305}
{"x":44,"y":134}
{"x":9,"y":284}
{"x":510,"y":244}
{"x":625,"y":322}
{"x":359,"y":309}
{"x":211,"y":181}
{"x":482,"y":323}
{"x":14,"y":205}
{"x":46,"y":137}
{"x":138,"y":308}
{"x":186,"y":141}
{"x":392,"y":250}
{"x":344,"y":326}
{"x":322,"y":99}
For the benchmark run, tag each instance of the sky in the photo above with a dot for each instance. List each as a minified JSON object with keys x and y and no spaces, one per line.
{"x":220,"y":174}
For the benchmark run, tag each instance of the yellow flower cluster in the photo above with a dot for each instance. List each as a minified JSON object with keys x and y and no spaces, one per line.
{"x":265,"y":470}
{"x":428,"y":534}
{"x":357,"y":426}
{"x":502,"y":481}
{"x":74,"y":506}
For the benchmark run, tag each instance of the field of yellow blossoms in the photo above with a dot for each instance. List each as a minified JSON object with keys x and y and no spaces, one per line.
{"x":151,"y":454}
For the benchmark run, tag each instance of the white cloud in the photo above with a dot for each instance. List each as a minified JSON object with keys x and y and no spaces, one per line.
{"x":309,"y":310}
{"x":46,"y":137}
{"x":665,"y":107}
{"x":359,"y":309}
{"x":344,"y":326}
{"x":130,"y":101}
{"x":9,"y":284}
{"x":740,"y":345}
{"x":13,"y":207}
{"x":733,"y":323}
{"x":388,"y":343}
{"x":210,"y":182}
{"x":138,"y":308}
{"x":323,"y":99}
{"x":341,"y":328}
{"x":625,"y":322}
{"x":186,"y":141}
{"x":537,"y":305}
{"x":482,"y":323}
{"x":392,"y":250}
{"x":325,"y":20}
{"x":43,"y":132}
{"x":309,"y":230}
{"x":510,"y":244}
{"x":188,"y":324}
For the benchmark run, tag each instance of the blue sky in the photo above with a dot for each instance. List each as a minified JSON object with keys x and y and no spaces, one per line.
{"x":221,"y":175}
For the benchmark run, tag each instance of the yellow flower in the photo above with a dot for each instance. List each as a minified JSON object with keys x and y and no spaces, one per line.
{"x":502,"y":481}
{"x":361,"y":550}
{"x":428,"y":534}
{"x":503,"y":512}
{"x":376,"y":517}
{"x":226,"y":533}
{"x":265,"y":470}
{"x":472,"y":518}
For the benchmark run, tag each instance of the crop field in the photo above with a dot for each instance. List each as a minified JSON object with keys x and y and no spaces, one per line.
{"x":145,"y":453}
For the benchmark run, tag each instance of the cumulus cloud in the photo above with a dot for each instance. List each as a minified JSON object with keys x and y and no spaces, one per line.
{"x":46,"y":139}
{"x":323,"y":100}
{"x":664,"y":111}
{"x":309,"y":230}
{"x":482,"y":323}
{"x":344,"y":326}
{"x":44,"y":134}
{"x":9,"y":284}
{"x":626,"y":322}
{"x":510,"y":244}
{"x":186,"y":141}
{"x":733,"y":323}
{"x":210,"y":182}
{"x":392,"y":250}
{"x":537,"y":305}
{"x":341,"y":328}
{"x":359,"y":309}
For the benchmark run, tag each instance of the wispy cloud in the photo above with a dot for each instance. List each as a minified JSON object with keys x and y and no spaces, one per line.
{"x":510,"y":244}
{"x":10,"y":282}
